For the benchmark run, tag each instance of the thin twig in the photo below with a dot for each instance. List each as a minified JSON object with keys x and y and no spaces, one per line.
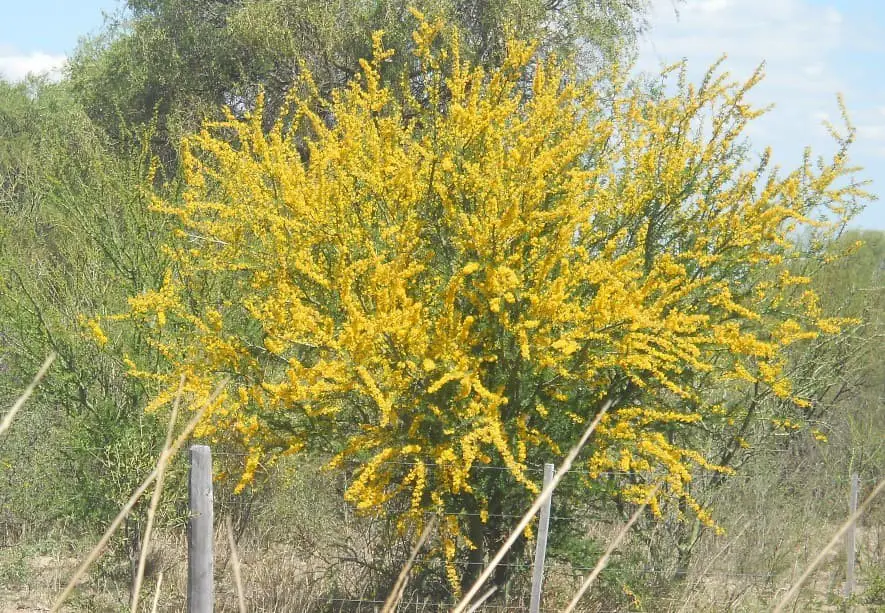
{"x":603,"y":561}
{"x":399,"y":587}
{"x":155,"y":498}
{"x":235,"y":564}
{"x":130,"y":504}
{"x":823,"y":552}
{"x":7,"y":419}
{"x":479,"y":601}
{"x":546,"y":492}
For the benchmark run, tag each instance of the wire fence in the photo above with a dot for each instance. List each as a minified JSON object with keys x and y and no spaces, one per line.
{"x":422,"y":606}
{"x":721,"y":576}
{"x":715,"y":574}
{"x":419,"y":606}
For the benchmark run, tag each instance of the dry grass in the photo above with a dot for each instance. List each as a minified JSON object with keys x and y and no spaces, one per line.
{"x":282,"y":578}
{"x":302,"y":550}
{"x":167,"y":453}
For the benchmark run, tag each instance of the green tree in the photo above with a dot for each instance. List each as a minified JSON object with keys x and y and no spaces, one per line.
{"x":75,"y":237}
{"x":178,"y":60}
{"x":464,"y":274}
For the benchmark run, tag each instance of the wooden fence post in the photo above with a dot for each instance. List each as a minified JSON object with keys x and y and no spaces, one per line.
{"x":200,"y":532}
{"x":850,"y":543}
{"x":541,"y":545}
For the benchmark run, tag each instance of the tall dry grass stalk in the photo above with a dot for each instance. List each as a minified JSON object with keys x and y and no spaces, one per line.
{"x":157,"y":593}
{"x":399,"y":586}
{"x":155,"y":498}
{"x":235,"y":564}
{"x":794,"y":590}
{"x":692,"y":589}
{"x":17,"y":405}
{"x":464,"y":603}
{"x":130,"y":504}
{"x":603,"y":560}
{"x":481,"y":600}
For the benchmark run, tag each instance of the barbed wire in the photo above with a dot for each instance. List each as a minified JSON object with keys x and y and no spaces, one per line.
{"x":419,"y":605}
{"x":272,"y":507}
{"x":404,"y":606}
{"x":526,"y":467}
{"x":699,"y":478}
{"x":534,"y":468}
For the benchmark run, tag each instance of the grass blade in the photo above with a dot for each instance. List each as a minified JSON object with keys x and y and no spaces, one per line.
{"x":7,"y":419}
{"x":823,"y":552}
{"x":235,"y":565}
{"x":603,"y":560}
{"x":155,"y":499}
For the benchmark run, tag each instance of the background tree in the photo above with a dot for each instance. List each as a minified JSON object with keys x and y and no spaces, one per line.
{"x":75,"y":237}
{"x":840,"y":380}
{"x":178,"y":60}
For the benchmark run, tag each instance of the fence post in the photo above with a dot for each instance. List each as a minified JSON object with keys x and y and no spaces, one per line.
{"x":850,"y":544}
{"x":541,"y":545}
{"x":200,"y":532}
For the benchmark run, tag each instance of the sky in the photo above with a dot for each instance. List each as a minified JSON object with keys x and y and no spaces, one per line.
{"x":37,"y":35}
{"x":813,"y":49}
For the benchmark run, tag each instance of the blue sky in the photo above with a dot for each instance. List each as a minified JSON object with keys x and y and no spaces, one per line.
{"x":51,"y":27}
{"x":813,"y":49}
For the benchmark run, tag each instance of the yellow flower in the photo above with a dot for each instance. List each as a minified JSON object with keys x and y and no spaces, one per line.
{"x":543,"y":246}
{"x":97,"y":333}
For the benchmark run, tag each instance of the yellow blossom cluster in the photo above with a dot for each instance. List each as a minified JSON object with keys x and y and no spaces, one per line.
{"x":456,"y":272}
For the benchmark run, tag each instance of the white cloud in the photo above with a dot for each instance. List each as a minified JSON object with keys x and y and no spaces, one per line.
{"x":15,"y":67}
{"x":712,"y":6}
{"x":801,"y":42}
{"x":832,"y":15}
{"x":872,"y":132}
{"x":814,"y":70}
{"x":778,"y":31}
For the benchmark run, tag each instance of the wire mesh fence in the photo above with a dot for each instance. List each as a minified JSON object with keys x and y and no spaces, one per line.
{"x":346,"y":560}
{"x":736,"y":582}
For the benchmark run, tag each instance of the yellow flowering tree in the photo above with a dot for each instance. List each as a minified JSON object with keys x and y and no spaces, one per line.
{"x":428,"y":280}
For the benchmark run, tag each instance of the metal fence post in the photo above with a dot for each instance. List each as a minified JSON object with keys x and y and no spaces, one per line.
{"x":200,"y":533}
{"x":541,"y":545}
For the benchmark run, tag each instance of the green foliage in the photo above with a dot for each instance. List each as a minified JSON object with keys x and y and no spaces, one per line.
{"x":75,"y":233}
{"x":874,"y":594}
{"x":178,"y":60}
{"x":848,"y":371}
{"x":76,"y":236}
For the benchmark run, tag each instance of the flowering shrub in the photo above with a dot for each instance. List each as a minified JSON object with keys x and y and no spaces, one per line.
{"x":458,"y":271}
